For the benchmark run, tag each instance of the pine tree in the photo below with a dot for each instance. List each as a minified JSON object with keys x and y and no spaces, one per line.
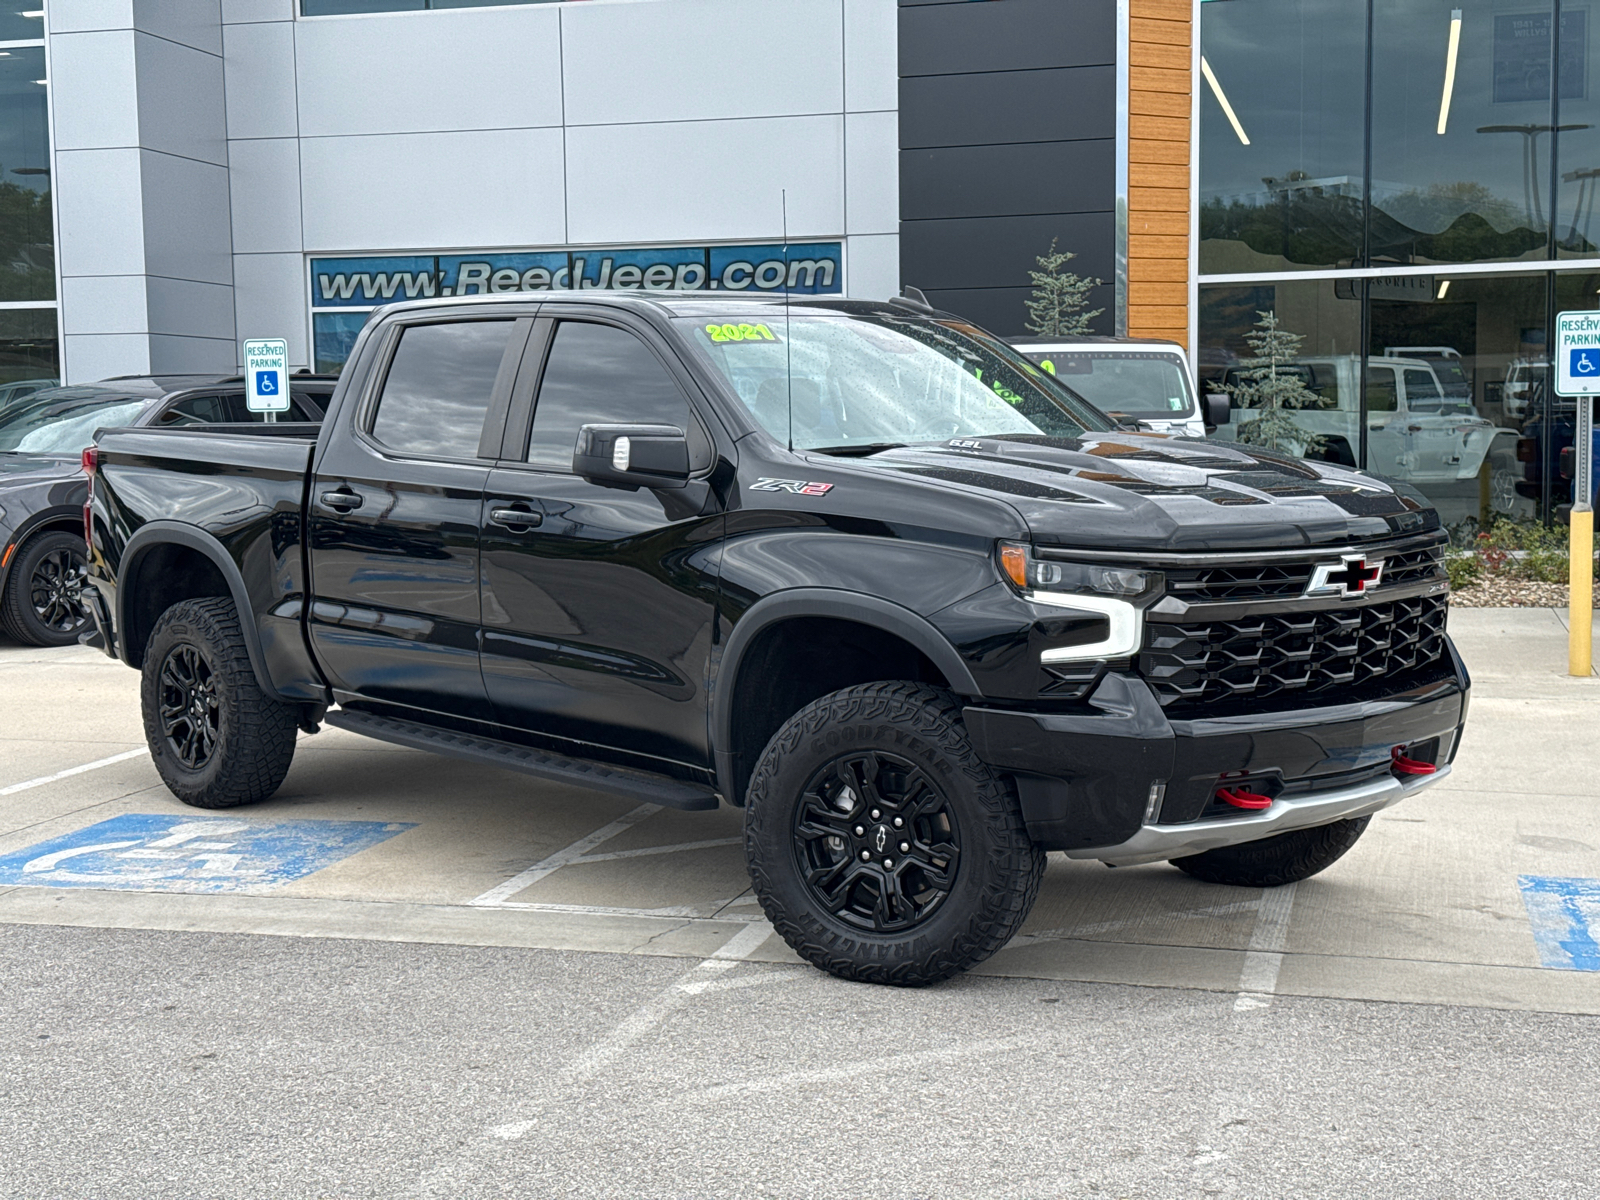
{"x":1272,"y":391}
{"x":1059,"y":296}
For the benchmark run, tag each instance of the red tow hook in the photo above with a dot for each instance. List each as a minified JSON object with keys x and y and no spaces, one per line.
{"x":1240,"y":798}
{"x":1401,"y":765}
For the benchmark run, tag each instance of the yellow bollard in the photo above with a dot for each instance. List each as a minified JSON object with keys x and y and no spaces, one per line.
{"x":1580,"y":599}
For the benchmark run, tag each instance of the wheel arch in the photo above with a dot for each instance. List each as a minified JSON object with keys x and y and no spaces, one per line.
{"x":58,"y":518}
{"x":193,"y":565}
{"x":741,"y":724}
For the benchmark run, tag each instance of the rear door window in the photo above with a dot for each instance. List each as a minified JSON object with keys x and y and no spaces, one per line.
{"x":1381,"y":392}
{"x":601,"y":375}
{"x":437,"y":391}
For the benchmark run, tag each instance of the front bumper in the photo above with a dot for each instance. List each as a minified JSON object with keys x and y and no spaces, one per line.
{"x":1122,"y":783}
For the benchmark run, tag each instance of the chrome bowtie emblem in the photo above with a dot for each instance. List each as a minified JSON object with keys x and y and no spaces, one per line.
{"x":880,"y":837}
{"x":1353,"y":575}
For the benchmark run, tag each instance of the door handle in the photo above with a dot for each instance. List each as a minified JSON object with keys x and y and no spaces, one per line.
{"x":342,"y":500}
{"x":516,"y":519}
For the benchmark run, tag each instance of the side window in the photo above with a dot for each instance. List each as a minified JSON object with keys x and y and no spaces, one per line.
{"x":437,"y":392}
{"x":1422,"y":389}
{"x":598,"y":374}
{"x":1380,"y":389}
{"x":198,"y":410}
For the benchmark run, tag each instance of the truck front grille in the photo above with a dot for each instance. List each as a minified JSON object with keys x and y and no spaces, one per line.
{"x":1280,"y":580}
{"x":1198,"y":665}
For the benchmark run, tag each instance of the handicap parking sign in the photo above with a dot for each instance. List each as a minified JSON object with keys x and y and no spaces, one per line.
{"x":266,"y":369}
{"x":145,"y":852}
{"x":1578,"y":354}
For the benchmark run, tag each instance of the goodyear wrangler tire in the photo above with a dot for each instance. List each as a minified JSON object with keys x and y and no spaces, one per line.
{"x":217,"y":739}
{"x":880,"y":846}
{"x":1275,"y":861}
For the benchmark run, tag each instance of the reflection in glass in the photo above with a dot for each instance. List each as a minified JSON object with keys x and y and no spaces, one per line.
{"x":437,"y":392}
{"x":21,"y":20}
{"x":1461,"y":130}
{"x":30,"y":354}
{"x":1281,"y":116}
{"x":27,"y":240}
{"x":335,"y":336}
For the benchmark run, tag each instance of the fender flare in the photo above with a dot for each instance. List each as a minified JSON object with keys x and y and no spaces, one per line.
{"x":166,"y":533}
{"x":71,"y":513}
{"x":820,"y":602}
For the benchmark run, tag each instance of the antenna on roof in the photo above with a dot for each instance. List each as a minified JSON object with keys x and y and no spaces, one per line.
{"x":788,"y":352}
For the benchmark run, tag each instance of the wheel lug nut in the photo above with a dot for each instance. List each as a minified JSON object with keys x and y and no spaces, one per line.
{"x":905,"y":847}
{"x":876,"y":814}
{"x":888,"y":864}
{"x":861,"y":831}
{"x":898,"y":822}
{"x":866,"y":855}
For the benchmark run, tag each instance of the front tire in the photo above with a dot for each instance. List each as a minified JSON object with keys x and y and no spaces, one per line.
{"x":880,"y":846}
{"x":42,"y":605}
{"x":217,"y":739}
{"x":1275,"y":861}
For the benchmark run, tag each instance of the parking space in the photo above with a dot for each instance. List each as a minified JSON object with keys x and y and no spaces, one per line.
{"x":1479,"y":892}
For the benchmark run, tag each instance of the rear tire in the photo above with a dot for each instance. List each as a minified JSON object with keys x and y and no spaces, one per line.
{"x":1275,"y":861}
{"x":937,"y":893}
{"x":217,"y":739}
{"x":42,"y":604}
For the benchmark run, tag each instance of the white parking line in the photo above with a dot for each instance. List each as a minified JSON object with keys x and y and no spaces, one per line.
{"x":496,"y":897}
{"x":638,"y":1024}
{"x":643,"y":851}
{"x":874,"y":1066}
{"x":1258,"y":980}
{"x":14,"y":788}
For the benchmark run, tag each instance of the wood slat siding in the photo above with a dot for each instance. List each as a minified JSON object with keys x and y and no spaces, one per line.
{"x":1159,"y":83}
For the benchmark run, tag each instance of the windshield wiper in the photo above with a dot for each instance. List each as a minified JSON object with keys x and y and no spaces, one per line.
{"x":860,"y":450}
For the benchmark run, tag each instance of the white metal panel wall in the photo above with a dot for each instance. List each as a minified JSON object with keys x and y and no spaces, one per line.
{"x":141,"y":187}
{"x":602,"y":122}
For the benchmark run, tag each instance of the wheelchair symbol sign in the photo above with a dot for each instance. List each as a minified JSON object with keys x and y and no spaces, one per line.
{"x":1577,"y":354}
{"x":1584,"y":362}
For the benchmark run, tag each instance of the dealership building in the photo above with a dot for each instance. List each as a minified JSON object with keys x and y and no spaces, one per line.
{"x":1408,"y":186}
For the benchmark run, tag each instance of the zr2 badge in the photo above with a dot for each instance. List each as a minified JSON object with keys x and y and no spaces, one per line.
{"x":796,"y":487}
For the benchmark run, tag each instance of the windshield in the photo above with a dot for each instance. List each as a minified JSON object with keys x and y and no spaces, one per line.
{"x":63,"y":424}
{"x":1140,"y":385}
{"x":838,"y":381}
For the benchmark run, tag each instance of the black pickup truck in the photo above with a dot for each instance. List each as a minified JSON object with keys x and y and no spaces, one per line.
{"x":859,"y":568}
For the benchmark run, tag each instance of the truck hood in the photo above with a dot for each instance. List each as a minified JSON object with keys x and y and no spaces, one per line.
{"x":17,"y":469}
{"x":1153,"y":491}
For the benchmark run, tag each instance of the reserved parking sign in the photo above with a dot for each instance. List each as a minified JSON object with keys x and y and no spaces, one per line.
{"x":1578,"y":354}
{"x":266,"y":375}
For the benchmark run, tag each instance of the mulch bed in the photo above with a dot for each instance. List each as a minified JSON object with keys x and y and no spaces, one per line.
{"x":1498,"y":591}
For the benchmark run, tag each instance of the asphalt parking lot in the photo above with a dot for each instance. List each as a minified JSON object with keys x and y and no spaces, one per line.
{"x":408,"y":976}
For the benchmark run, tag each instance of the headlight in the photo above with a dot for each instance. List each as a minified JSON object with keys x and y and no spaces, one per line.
{"x":1108,"y":592}
{"x":1032,"y":574}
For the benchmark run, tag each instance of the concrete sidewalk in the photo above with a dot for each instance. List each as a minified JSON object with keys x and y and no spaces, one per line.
{"x":1429,"y":907}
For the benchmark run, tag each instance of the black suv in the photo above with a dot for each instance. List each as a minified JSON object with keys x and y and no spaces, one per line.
{"x":859,"y":568}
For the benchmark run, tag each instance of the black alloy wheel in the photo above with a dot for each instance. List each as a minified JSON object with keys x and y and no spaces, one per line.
{"x":881,"y":847}
{"x":55,"y":589}
{"x":876,"y":842}
{"x":190,"y":712}
{"x":43,"y":601}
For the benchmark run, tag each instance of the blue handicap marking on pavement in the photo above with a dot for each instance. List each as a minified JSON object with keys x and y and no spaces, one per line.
{"x":1565,"y":915}
{"x":1584,"y":361}
{"x":267,"y":383}
{"x":144,"y":852}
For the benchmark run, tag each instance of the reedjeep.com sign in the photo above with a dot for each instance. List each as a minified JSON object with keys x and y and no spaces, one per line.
{"x":812,"y":268}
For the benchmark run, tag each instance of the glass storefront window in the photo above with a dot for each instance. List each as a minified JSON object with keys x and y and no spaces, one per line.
{"x":30,"y":355}
{"x":27,"y":238}
{"x":21,"y":20}
{"x":1461,"y":132}
{"x":1281,"y":134}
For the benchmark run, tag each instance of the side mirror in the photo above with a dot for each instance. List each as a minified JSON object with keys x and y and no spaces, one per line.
{"x":632,"y":455}
{"x":1217,"y":409}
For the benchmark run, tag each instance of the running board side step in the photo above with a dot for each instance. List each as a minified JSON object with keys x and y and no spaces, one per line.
{"x":558,"y":768}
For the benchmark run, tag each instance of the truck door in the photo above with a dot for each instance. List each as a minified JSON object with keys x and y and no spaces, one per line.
{"x":393,"y":517}
{"x":598,"y":600}
{"x":1388,"y":444}
{"x":1434,"y":440}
